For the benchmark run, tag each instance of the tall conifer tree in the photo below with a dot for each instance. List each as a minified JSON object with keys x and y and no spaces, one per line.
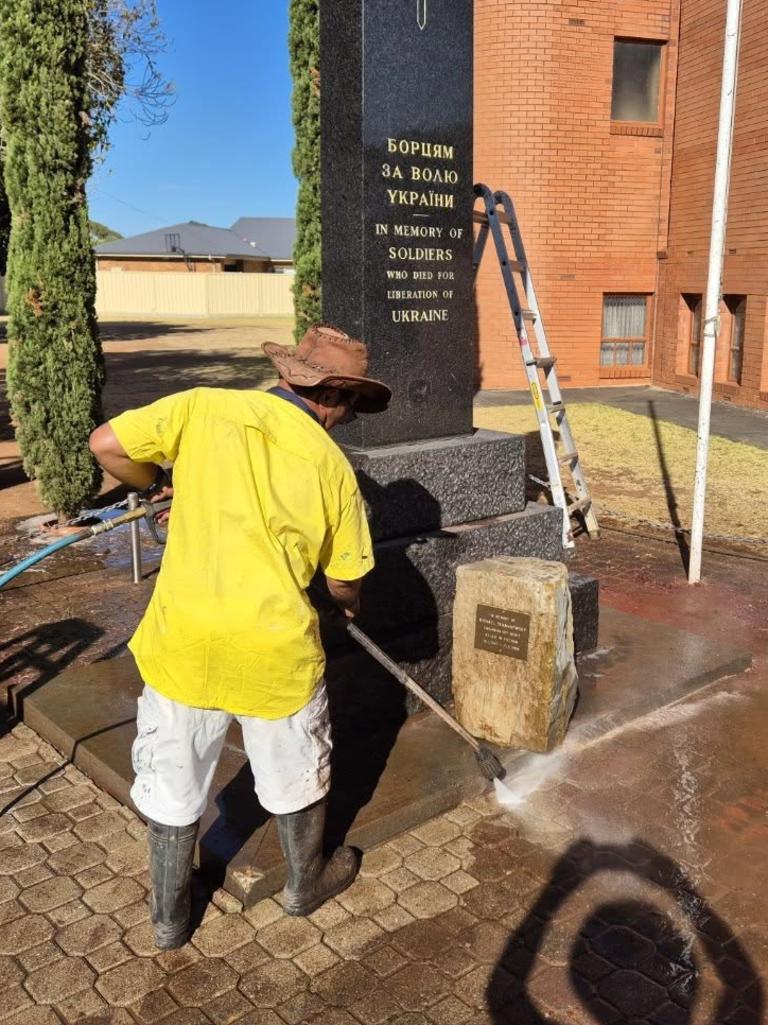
{"x":55,"y":363}
{"x":304,"y":43}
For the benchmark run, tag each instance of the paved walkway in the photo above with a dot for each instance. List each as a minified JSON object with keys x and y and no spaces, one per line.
{"x":625,"y":882}
{"x":728,"y":421}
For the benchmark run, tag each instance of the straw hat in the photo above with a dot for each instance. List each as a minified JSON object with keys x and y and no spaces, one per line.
{"x":328,"y":356}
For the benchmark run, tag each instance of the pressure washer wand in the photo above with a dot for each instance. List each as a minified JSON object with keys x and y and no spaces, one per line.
{"x":490,"y":766}
{"x":148,"y":509}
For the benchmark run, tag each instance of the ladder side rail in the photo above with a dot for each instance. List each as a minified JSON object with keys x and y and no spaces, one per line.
{"x":506,"y":271}
{"x":529,"y":366}
{"x":479,"y":248}
{"x":550,"y":377}
{"x":530,"y":292}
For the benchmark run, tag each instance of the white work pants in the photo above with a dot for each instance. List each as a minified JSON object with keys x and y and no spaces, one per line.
{"x":177,"y":748}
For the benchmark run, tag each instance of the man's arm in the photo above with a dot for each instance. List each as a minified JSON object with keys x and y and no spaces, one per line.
{"x":346,"y":594}
{"x":112,"y":456}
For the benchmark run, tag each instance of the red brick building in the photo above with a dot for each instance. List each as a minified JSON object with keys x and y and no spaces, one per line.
{"x":600,"y":118}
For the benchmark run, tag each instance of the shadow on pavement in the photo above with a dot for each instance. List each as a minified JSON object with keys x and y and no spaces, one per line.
{"x":629,"y":963}
{"x":45,"y":650}
{"x":669,"y":492}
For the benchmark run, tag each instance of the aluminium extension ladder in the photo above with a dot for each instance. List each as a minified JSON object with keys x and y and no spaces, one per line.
{"x":499,"y":210}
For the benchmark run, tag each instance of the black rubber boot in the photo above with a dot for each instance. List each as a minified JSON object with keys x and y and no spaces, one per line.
{"x":171,"y":850}
{"x":312,"y":879}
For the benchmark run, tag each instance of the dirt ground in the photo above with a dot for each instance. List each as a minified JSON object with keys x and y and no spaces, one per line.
{"x":145,"y":360}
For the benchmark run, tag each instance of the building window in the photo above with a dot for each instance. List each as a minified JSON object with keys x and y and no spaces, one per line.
{"x":695,"y":332}
{"x":625,"y":319}
{"x":636,"y":78}
{"x":737,"y":308}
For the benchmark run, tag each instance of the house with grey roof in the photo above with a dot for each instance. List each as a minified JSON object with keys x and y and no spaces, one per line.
{"x":251,"y":245}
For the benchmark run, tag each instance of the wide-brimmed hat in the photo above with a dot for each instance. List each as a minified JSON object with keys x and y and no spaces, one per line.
{"x":328,"y":356}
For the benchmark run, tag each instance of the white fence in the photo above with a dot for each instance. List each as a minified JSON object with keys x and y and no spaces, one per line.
{"x":169,"y":294}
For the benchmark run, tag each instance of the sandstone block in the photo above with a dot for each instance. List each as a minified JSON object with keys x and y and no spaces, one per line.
{"x":514,"y":679}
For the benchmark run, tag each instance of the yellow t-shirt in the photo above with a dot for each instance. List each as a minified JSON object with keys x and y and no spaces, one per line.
{"x":262,"y":496}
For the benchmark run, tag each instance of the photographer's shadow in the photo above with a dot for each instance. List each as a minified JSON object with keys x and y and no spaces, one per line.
{"x":630,"y":962}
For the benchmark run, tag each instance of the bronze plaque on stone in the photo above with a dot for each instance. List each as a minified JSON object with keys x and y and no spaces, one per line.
{"x":502,"y":631}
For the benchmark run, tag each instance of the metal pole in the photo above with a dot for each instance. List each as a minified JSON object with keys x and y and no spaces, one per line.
{"x":133,"y":503}
{"x":714,"y":279}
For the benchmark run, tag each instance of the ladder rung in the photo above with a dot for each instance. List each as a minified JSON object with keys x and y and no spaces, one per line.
{"x":481,"y":217}
{"x":581,"y":506}
{"x":569,"y":457}
{"x":543,"y":362}
{"x":516,"y":265}
{"x":528,"y":315}
{"x":555,"y":407}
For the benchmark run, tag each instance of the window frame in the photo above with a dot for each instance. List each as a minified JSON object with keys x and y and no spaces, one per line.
{"x":736,"y":305}
{"x":695,"y":304}
{"x":628,"y":369}
{"x":641,"y":127}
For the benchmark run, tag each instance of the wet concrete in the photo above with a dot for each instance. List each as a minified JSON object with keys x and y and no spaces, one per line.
{"x":389,"y":772}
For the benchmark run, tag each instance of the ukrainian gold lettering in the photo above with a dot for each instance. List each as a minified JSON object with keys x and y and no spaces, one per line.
{"x":420,"y":148}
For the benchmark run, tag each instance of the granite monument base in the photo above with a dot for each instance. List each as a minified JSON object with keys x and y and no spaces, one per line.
{"x":408,"y":598}
{"x":426,"y":485}
{"x":434,"y":506}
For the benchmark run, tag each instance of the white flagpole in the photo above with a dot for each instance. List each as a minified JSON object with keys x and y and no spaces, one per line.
{"x":714,"y":279}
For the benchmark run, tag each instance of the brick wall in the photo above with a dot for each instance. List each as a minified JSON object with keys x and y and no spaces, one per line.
{"x":746,"y":261}
{"x":592,"y":202}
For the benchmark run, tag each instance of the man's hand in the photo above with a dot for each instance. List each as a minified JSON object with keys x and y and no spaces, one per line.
{"x":346,"y":594}
{"x":161,"y":496}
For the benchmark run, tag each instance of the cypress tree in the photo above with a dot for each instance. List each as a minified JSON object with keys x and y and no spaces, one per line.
{"x":55,"y":364}
{"x":304,"y":45}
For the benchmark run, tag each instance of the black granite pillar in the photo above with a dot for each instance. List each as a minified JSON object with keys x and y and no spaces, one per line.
{"x":397,"y":198}
{"x":396,"y":88}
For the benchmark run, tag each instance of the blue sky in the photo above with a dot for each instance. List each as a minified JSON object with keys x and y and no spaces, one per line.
{"x":225,"y":151}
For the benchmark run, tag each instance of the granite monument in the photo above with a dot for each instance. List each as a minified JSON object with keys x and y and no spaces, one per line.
{"x":397,"y":198}
{"x":396,"y":117}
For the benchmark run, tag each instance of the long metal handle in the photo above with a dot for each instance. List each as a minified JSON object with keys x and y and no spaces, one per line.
{"x":375,"y":651}
{"x":145,"y":508}
{"x":133,"y":504}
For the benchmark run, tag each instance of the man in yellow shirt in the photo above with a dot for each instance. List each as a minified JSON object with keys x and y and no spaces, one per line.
{"x":261,"y":497}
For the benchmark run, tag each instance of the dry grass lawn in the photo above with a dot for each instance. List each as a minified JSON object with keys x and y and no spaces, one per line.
{"x":641,"y":471}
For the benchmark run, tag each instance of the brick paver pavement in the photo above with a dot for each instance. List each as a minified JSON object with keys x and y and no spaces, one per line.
{"x":624,"y":885}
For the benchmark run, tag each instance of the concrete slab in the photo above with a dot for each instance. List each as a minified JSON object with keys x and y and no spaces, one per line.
{"x":390,"y":771}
